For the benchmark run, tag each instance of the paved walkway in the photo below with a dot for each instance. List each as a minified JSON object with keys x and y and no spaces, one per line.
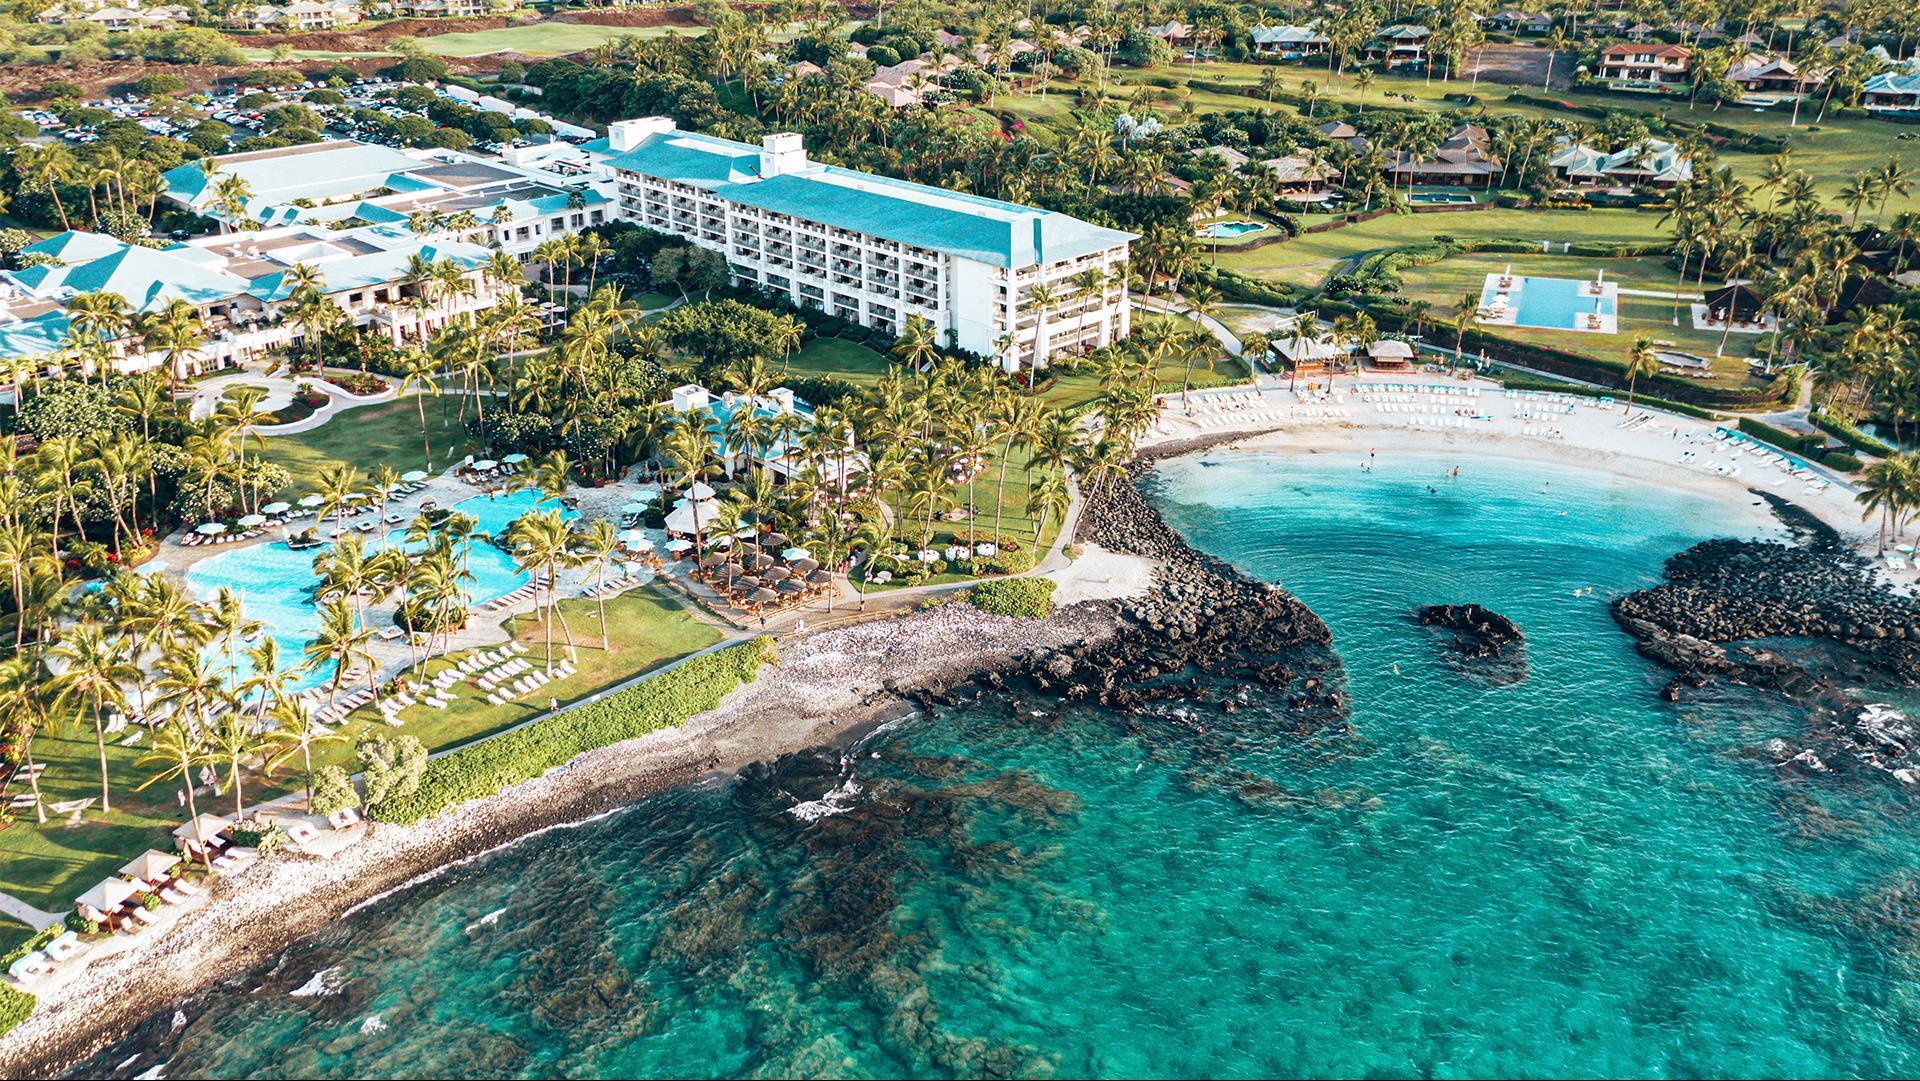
{"x":14,"y":908}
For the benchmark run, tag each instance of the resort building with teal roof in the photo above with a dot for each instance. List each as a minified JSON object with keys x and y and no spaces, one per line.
{"x":440,"y":194}
{"x":239,"y":287}
{"x":1011,"y":282}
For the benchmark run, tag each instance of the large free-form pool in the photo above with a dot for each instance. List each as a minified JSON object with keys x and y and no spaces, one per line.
{"x":276,"y":584}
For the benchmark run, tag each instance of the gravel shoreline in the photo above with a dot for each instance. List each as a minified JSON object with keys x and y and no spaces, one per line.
{"x":825,"y":687}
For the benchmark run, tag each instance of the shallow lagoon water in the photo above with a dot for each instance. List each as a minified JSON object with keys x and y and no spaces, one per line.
{"x":1561,"y":877}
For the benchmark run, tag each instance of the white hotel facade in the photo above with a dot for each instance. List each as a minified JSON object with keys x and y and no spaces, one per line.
{"x":875,"y":250}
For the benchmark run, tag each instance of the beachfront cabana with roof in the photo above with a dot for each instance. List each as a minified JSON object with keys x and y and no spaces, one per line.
{"x":203,"y":836}
{"x":102,"y":903}
{"x":151,"y":866}
{"x":1390,"y":355}
{"x":1738,"y":307}
{"x":1305,"y":353}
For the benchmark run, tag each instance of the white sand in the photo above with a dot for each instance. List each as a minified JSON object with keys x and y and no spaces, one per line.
{"x":1669,"y":450}
{"x":1102,"y":575}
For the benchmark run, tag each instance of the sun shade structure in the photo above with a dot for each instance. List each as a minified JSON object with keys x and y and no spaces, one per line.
{"x":151,"y":865}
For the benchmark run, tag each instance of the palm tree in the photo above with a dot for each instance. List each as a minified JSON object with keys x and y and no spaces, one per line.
{"x":232,"y":740}
{"x":178,"y":752}
{"x":599,"y":543}
{"x":298,"y":731}
{"x":1641,"y":360}
{"x":97,"y":668}
{"x":418,"y":374}
{"x":341,"y":640}
{"x":917,"y":345}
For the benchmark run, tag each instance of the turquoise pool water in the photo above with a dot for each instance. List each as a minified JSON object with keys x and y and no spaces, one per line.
{"x":1553,"y":303}
{"x":1562,"y":877}
{"x":276,"y":584}
{"x":1227,"y":230}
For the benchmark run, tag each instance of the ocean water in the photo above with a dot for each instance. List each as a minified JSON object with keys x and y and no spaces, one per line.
{"x":1562,"y":876}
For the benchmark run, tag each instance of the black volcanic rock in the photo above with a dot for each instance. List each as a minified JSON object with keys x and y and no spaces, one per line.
{"x":1483,"y":645}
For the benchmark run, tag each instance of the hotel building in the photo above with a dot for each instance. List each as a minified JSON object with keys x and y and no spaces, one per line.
{"x":874,"y":250}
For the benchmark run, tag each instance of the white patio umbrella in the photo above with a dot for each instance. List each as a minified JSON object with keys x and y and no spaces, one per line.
{"x":699,"y":491}
{"x":633,"y":508}
{"x":688,"y":516}
{"x":485,"y":464}
{"x":276,"y":508}
{"x":514,"y":459}
{"x":633,"y":538}
{"x":311,"y":501}
{"x":792,"y":554}
{"x":211,"y":529}
{"x":413,"y":476}
{"x":252,"y":520}
{"x":679,"y":544}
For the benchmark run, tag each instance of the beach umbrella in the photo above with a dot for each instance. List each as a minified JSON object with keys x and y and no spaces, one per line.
{"x":311,"y":501}
{"x":802,"y":566}
{"x":689,"y":517}
{"x":514,"y":459}
{"x":414,"y":476}
{"x":633,"y":538}
{"x":777,"y":574}
{"x":712,"y":559}
{"x":485,"y":464}
{"x":762,"y":562}
{"x":763,"y":596}
{"x":747,"y":581}
{"x":750,"y":548}
{"x":699,"y":491}
{"x":792,"y":554}
{"x":774,"y":540}
{"x":276,"y":508}
{"x":791,"y":586}
{"x":252,"y":520}
{"x":211,"y":529}
{"x":678,"y":545}
{"x":633,"y":508}
{"x":820,"y":578}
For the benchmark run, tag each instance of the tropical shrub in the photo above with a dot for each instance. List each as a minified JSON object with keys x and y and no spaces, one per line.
{"x":485,"y":768}
{"x":1023,"y":598}
{"x":15,"y":1005}
{"x":1850,"y":435}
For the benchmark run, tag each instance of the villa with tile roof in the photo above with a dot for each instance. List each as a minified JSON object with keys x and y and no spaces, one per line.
{"x":1653,"y":64}
{"x":347,"y":184}
{"x":239,"y":284}
{"x":1892,"y":92}
{"x":1291,"y":42}
{"x":875,"y":250}
{"x":1656,"y":163}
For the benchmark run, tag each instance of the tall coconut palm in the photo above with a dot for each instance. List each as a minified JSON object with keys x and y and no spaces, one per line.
{"x":297,"y":731}
{"x":96,"y":671}
{"x":1641,"y":360}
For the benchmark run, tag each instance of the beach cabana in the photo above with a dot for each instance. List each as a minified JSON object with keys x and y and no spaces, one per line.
{"x":102,"y":903}
{"x":1305,"y":354}
{"x":1736,"y":303}
{"x":1390,"y":355}
{"x":688,"y":516}
{"x":200,"y":837}
{"x":151,"y":867}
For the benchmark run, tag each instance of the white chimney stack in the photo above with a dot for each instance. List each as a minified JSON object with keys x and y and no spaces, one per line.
{"x":624,"y":135}
{"x":781,"y":154}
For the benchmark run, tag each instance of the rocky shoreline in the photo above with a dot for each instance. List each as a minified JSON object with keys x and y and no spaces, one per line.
{"x":1806,"y":620}
{"x":1482,"y":644}
{"x":1204,"y":636}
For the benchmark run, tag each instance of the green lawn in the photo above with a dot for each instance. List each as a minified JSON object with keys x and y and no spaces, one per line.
{"x":646,"y":628}
{"x":1311,"y":258}
{"x":855,"y":363}
{"x":371,"y":435}
{"x":49,"y":865}
{"x":1443,"y":283}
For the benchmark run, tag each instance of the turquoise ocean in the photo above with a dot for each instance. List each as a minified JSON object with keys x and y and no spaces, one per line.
{"x":1559,"y":877}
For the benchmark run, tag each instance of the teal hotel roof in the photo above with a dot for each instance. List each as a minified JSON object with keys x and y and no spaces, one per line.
{"x":316,"y":171}
{"x":985,"y":230}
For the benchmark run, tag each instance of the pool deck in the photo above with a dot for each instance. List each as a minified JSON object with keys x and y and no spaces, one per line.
{"x":1512,"y":287}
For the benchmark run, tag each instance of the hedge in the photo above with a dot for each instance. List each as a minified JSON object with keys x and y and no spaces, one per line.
{"x":1024,"y":598}
{"x":1851,"y":436}
{"x":1575,"y":365}
{"x":15,"y":1005}
{"x":1514,"y":380}
{"x":1780,"y":437}
{"x":1840,"y":461}
{"x":485,"y":768}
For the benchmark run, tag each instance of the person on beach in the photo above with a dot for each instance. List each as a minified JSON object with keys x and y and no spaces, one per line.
{"x":553,"y":704}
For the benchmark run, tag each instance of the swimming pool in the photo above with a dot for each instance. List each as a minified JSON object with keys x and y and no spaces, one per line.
{"x":1227,"y":230}
{"x":276,"y":584}
{"x":1554,"y":303}
{"x":1441,"y":198}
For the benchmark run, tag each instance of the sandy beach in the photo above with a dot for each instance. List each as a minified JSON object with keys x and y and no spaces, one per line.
{"x":825,"y":687}
{"x":1364,"y":415}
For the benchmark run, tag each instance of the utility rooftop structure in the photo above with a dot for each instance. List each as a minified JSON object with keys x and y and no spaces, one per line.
{"x":874,"y":250}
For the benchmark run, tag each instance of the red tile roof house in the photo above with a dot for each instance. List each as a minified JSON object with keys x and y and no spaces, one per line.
{"x":1651,"y":64}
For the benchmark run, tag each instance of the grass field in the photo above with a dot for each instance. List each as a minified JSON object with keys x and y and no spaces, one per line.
{"x":1311,"y":258}
{"x":48,"y":865}
{"x":646,"y":628}
{"x":368,"y":436}
{"x":855,"y":363}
